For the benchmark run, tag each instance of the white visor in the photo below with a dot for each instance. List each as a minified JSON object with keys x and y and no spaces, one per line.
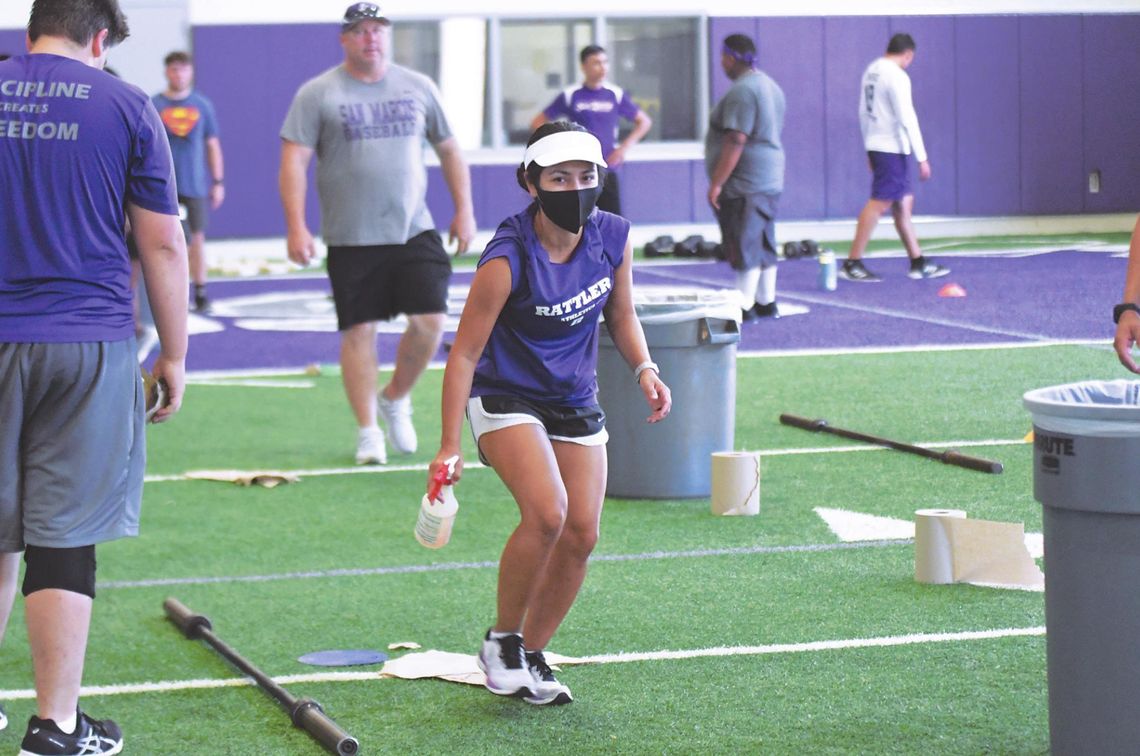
{"x":564,"y":146}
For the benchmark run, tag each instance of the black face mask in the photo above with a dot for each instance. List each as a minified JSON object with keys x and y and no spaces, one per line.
{"x":569,"y":209}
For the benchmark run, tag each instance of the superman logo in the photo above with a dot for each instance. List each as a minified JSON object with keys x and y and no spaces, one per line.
{"x":180,"y":120}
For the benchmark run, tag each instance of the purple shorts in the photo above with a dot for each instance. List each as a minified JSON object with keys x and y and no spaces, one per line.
{"x":891,"y":180}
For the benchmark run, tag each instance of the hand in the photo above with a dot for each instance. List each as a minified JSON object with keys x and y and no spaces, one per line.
{"x":441,"y":461}
{"x":924,"y":170}
{"x":301,"y":246}
{"x":714,"y":195}
{"x":616,"y":158}
{"x":217,"y":196}
{"x":461,"y":231}
{"x":657,"y":394}
{"x":173,"y":374}
{"x":1127,"y":335}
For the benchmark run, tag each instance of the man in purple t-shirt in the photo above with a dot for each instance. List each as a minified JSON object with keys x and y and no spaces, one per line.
{"x":80,"y":152}
{"x":600,"y":106}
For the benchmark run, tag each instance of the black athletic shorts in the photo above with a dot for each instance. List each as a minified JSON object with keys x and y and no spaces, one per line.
{"x":380,"y":281}
{"x":195,"y":213}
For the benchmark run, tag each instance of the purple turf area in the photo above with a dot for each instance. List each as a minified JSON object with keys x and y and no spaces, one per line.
{"x":1062,"y":295}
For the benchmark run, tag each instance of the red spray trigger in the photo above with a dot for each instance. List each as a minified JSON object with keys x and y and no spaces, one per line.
{"x":442,"y":478}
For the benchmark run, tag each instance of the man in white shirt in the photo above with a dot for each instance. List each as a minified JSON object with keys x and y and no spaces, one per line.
{"x":890,"y":134}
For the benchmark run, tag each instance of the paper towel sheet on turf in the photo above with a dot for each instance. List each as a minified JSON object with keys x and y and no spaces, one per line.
{"x":445,"y":665}
{"x":951,"y":548}
{"x":263,"y":478}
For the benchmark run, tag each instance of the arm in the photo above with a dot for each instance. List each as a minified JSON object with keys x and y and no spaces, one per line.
{"x":642,"y":123}
{"x":732,"y":147}
{"x":162,"y":251}
{"x":1128,"y":330}
{"x":489,"y":291}
{"x":629,"y":338}
{"x":904,"y":107}
{"x":217,"y":170}
{"x":458,"y":178}
{"x":293,"y":182}
{"x":538,"y":120}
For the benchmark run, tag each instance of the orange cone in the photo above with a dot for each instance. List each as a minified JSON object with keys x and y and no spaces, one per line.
{"x":951,"y":290}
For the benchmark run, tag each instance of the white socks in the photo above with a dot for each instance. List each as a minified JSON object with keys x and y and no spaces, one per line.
{"x":756,"y":286}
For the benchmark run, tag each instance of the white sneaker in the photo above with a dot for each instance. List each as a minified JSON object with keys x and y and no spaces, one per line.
{"x":3,"y":718}
{"x":547,"y":690}
{"x":370,"y":447}
{"x":397,"y":416}
{"x":502,"y":660}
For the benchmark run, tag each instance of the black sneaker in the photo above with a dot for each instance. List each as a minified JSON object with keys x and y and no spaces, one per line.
{"x":769,"y":310}
{"x":92,"y":737}
{"x":747,"y":316}
{"x":921,"y":268}
{"x":854,"y":270}
{"x":501,"y":659}
{"x":547,"y":690}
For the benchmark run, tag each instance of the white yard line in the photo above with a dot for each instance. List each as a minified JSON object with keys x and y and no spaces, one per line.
{"x":408,"y":569}
{"x":697,"y":653}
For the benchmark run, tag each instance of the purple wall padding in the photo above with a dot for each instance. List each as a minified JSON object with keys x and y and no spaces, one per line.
{"x":12,"y":41}
{"x":782,"y":45}
{"x":1052,"y":172}
{"x":657,"y":192}
{"x":988,"y":117}
{"x":1111,"y":83}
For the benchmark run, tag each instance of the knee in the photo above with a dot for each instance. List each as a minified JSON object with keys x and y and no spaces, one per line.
{"x":546,"y":522}
{"x":70,"y":569}
{"x":430,"y":324}
{"x":579,"y":541}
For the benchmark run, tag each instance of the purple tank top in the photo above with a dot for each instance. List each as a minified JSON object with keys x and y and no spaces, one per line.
{"x":544,"y":345}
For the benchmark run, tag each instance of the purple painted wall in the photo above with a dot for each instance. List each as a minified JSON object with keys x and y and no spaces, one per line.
{"x":1015,"y":110}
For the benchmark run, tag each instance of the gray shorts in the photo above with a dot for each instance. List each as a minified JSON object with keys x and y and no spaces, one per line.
{"x":72,"y":444}
{"x":748,"y":230}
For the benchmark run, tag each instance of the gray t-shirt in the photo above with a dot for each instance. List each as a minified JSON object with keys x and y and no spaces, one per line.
{"x":754,"y":105}
{"x":369,"y":141}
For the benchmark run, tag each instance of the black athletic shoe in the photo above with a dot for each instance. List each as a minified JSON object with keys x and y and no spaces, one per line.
{"x":201,"y":304}
{"x":547,"y":691}
{"x":769,"y":310}
{"x":855,"y":270}
{"x":921,"y":268}
{"x":747,"y":316}
{"x":92,"y":737}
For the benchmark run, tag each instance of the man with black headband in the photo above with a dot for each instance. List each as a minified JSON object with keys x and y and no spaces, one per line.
{"x":368,"y":119}
{"x":745,"y":162}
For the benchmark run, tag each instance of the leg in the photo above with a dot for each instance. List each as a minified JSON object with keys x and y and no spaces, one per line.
{"x":9,"y":571}
{"x":583,"y":471}
{"x":525,"y":461}
{"x":901,"y":211}
{"x":358,"y":365}
{"x":417,"y":346}
{"x":868,"y":219}
{"x":197,"y":252}
{"x":58,"y":621}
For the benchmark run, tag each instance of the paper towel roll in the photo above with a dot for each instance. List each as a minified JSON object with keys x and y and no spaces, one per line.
{"x":933,"y":551}
{"x":736,"y":483}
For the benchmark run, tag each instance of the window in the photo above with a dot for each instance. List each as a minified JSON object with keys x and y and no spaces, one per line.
{"x":538,"y":59}
{"x":415,"y":44}
{"x":657,"y":60}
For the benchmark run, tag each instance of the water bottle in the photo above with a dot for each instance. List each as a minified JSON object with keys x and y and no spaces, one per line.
{"x":828,"y":274}
{"x":438,"y":508}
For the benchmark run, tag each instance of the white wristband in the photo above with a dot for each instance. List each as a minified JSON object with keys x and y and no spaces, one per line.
{"x":647,"y":365}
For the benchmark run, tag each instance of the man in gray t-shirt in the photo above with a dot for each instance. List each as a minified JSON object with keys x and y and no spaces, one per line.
{"x":368,"y":121}
{"x":744,"y":159}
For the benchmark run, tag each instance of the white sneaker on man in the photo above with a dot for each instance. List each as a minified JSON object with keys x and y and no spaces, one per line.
{"x":397,"y":416}
{"x":370,"y":447}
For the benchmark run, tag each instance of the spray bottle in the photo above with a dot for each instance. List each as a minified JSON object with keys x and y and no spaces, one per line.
{"x":438,"y":508}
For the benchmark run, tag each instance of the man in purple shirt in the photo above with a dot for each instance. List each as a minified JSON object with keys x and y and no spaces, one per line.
{"x":600,"y":106}
{"x":80,"y":152}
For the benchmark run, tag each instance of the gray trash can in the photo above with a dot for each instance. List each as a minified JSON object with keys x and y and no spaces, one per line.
{"x":692,"y":334}
{"x":1086,"y":474}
